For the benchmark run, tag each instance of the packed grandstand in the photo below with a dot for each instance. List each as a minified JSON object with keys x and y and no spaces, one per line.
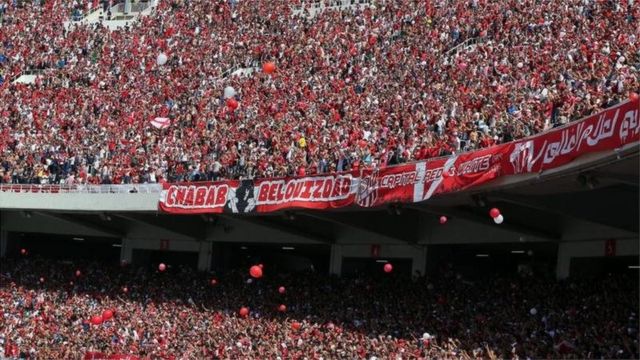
{"x":352,"y":87}
{"x":62,"y":311}
{"x":205,"y":90}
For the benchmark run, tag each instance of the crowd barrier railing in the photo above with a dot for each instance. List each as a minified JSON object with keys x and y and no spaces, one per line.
{"x":82,"y":188}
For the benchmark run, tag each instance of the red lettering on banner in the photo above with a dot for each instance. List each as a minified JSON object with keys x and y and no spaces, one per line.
{"x":272,"y":192}
{"x":317,"y":188}
{"x":263,"y":192}
{"x":308,"y":185}
{"x":630,"y":125}
{"x":289,"y":190}
{"x":432,"y":175}
{"x":221,"y":197}
{"x":475,"y":165}
{"x":396,"y":180}
{"x":337,"y":186}
{"x":211,"y":197}
{"x":188,"y":198}
{"x":280,"y":191}
{"x":201,"y":193}
{"x":345,"y":189}
{"x":299,"y":185}
{"x":326,"y":189}
{"x":180,"y":195}
{"x":171,"y":193}
{"x":414,"y":182}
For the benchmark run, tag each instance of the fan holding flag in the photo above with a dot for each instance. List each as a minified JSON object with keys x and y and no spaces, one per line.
{"x":161,"y":122}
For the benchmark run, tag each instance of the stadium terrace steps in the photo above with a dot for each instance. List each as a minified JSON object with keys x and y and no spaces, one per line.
{"x":313,"y":7}
{"x":119,"y":17}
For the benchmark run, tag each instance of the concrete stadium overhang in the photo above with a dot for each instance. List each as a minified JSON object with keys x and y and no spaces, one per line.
{"x":593,"y":198}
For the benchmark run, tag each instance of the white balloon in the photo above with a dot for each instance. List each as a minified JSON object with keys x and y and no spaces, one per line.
{"x":162,"y":59}
{"x":498,"y":219}
{"x":229,"y":92}
{"x":249,"y":281}
{"x":533,"y":311}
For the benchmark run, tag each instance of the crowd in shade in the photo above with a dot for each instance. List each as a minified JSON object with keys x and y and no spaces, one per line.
{"x":352,"y":88}
{"x":53,"y":310}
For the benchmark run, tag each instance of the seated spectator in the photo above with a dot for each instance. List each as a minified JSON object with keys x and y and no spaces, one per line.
{"x":45,"y":311}
{"x":355,"y":87}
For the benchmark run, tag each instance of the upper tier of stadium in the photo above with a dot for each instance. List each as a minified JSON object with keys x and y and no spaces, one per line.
{"x":388,"y":83}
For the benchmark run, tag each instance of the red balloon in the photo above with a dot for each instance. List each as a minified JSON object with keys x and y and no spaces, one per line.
{"x":281,"y":290}
{"x":162,"y":267}
{"x":282,"y":308}
{"x":443,"y":219}
{"x":269,"y":67}
{"x":107,"y":314}
{"x":372,"y":40}
{"x":296,"y":325}
{"x":78,"y":273}
{"x":634,"y":96}
{"x":214,"y":282}
{"x":244,"y":312}
{"x":96,"y":320}
{"x":494,"y":212}
{"x":232,"y":104}
{"x":388,"y":268}
{"x":255,"y":271}
{"x":23,"y":251}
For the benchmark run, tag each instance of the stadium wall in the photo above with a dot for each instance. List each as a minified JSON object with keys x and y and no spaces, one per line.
{"x":592,"y":248}
{"x":417,"y":254}
{"x":79,"y":201}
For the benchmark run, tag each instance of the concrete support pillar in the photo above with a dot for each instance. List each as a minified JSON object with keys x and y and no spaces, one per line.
{"x":563,"y":264}
{"x":419,"y":261}
{"x":4,"y":239}
{"x":204,"y":256}
{"x":335,"y":262}
{"x":126,"y":251}
{"x":127,"y":6}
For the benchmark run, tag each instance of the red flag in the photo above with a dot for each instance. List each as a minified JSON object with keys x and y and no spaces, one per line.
{"x":610,"y":247}
{"x":375,"y":250}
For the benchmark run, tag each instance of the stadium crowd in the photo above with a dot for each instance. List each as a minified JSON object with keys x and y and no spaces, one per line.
{"x":394,"y":82}
{"x":46,"y":312}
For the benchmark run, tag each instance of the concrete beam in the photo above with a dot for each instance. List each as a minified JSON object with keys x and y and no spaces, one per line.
{"x":77,"y":222}
{"x":485,"y":220}
{"x":147,"y":220}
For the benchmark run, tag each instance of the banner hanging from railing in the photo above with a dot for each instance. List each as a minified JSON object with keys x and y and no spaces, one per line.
{"x":412,"y":182}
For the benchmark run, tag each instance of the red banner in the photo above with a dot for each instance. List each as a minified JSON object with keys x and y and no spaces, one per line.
{"x":413,"y":182}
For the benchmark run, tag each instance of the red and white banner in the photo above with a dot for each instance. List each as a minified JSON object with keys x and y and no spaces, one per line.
{"x":161,"y":122}
{"x":413,"y":182}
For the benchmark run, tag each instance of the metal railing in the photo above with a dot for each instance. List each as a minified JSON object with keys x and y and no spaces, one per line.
{"x":136,"y":7}
{"x":82,"y":189}
{"x":313,"y":7}
{"x":464,"y":45}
